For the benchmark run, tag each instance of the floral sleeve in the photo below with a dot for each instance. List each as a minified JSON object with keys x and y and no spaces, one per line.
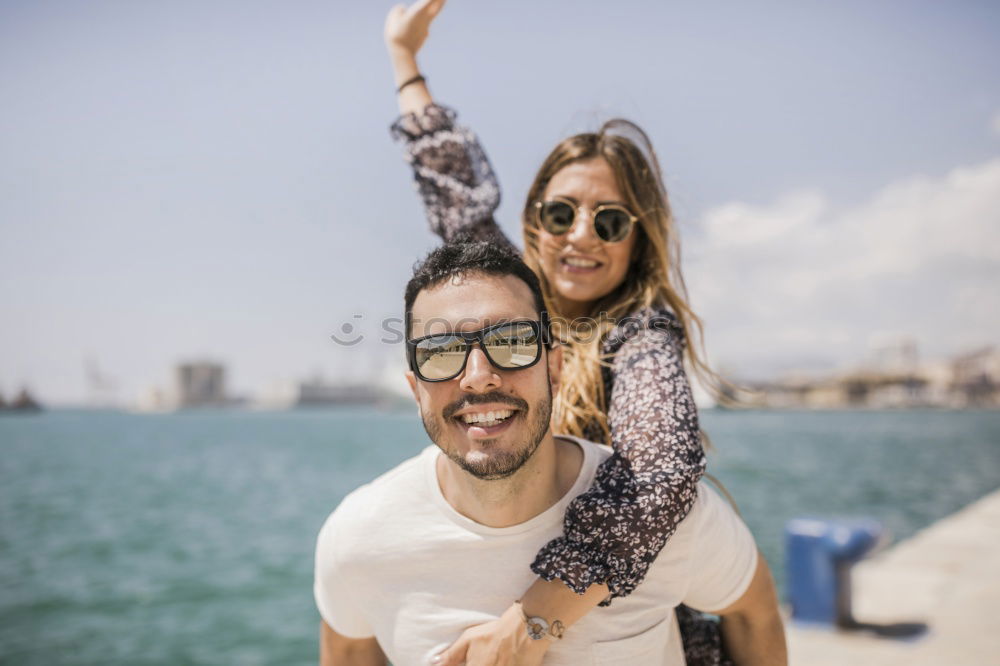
{"x":453,"y":175}
{"x":614,"y":531}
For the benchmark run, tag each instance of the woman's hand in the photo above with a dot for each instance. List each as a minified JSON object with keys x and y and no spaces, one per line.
{"x":405,"y":32}
{"x":502,"y":642}
{"x":406,"y":28}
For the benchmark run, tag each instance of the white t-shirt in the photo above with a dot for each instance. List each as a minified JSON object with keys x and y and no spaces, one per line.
{"x":397,"y":562}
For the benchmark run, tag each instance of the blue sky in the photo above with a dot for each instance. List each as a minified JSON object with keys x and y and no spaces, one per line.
{"x":216,"y":180}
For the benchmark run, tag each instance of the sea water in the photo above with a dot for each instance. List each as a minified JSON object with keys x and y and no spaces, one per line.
{"x":188,"y":538}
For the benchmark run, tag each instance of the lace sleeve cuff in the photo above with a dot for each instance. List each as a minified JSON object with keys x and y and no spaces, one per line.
{"x":412,"y":126}
{"x":453,"y":175}
{"x":579,"y":567}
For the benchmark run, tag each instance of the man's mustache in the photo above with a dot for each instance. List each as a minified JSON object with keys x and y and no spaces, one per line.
{"x":481,"y":399}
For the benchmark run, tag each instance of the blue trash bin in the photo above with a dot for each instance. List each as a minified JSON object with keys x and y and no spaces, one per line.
{"x":820,"y":554}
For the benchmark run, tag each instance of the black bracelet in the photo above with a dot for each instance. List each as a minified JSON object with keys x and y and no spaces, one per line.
{"x":416,"y":79}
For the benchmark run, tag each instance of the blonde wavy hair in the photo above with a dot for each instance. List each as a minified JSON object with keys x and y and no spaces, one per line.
{"x":653,"y":279}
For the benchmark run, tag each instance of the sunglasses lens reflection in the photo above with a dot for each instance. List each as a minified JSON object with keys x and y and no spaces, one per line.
{"x":612,"y":224}
{"x":556,"y":217}
{"x":512,"y":346}
{"x":441,"y":356}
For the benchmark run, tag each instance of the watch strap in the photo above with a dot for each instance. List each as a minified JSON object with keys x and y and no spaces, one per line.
{"x":539,"y":628}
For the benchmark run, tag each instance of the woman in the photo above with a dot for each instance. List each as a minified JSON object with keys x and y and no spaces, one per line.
{"x":598,"y":231}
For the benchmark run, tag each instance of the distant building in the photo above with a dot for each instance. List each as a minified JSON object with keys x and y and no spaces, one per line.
{"x":893,"y":380}
{"x":316,"y":392}
{"x":200,"y":384}
{"x":976,"y":378}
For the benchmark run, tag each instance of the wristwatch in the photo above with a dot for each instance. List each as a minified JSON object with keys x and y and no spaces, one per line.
{"x":539,"y":628}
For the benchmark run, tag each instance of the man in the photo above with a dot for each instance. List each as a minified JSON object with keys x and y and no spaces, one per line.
{"x":439,"y":543}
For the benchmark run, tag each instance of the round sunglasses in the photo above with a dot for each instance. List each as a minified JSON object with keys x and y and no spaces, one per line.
{"x":612,"y":222}
{"x":510,"y":346}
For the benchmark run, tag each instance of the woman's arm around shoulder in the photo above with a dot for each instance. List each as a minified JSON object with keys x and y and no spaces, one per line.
{"x":614,"y":531}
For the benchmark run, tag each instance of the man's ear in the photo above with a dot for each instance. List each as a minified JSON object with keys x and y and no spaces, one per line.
{"x":411,"y":379}
{"x":555,"y":361}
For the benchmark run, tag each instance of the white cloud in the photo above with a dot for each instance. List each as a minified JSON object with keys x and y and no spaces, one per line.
{"x":741,"y":224}
{"x":803,"y":279}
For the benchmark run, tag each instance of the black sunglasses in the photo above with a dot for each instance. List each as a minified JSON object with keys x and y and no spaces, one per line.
{"x":509,"y":346}
{"x":612,"y":222}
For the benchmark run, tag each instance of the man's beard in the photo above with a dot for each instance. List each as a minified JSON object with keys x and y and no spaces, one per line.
{"x":499,"y":464}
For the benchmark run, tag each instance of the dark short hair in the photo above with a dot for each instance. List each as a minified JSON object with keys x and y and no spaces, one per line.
{"x":470,"y":258}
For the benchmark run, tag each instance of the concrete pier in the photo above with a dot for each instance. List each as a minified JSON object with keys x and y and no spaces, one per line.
{"x":947,"y":575}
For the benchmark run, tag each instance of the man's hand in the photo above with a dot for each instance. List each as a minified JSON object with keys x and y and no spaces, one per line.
{"x":406,"y":28}
{"x":502,"y":642}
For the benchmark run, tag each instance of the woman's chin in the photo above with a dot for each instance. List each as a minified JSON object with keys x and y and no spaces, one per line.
{"x":575,"y":299}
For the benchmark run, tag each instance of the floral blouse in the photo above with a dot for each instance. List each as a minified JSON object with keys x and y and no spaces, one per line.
{"x":613,"y":531}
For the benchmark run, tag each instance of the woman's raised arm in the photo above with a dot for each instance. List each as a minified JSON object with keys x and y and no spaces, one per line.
{"x":455,"y":180}
{"x":406,"y":30}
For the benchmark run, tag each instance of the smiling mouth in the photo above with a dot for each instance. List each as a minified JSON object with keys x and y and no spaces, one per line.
{"x":487,"y":419}
{"x":484,"y":416}
{"x":579,"y":265}
{"x":484,"y":425}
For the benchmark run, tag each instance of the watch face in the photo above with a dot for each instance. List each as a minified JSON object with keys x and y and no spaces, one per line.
{"x":537,"y":627}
